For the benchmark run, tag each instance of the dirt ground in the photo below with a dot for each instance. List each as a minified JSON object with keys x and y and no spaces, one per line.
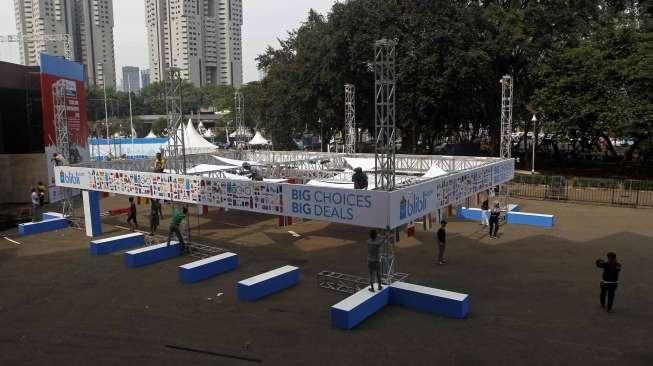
{"x":534,"y":297}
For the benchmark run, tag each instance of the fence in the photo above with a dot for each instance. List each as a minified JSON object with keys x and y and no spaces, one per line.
{"x":617,"y":192}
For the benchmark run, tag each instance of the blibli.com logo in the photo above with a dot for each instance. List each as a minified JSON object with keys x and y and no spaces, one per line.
{"x":69,"y":178}
{"x":416,"y":204}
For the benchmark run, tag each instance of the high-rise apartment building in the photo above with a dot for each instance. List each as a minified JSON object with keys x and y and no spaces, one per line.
{"x":88,"y":22}
{"x":131,"y":79}
{"x":201,"y":38}
{"x":145,"y":78}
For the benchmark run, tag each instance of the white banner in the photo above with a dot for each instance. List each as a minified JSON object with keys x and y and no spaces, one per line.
{"x":413,"y":202}
{"x":355,"y":207}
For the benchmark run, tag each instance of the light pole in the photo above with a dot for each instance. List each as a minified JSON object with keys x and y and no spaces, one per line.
{"x":534,"y":120}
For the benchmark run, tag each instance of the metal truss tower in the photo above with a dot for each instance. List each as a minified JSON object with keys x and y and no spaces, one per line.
{"x":350,"y":119}
{"x":62,"y":140}
{"x":506,"y":132}
{"x":176,"y":145}
{"x":384,"y":123}
{"x":506,"y":117}
{"x":239,"y":121}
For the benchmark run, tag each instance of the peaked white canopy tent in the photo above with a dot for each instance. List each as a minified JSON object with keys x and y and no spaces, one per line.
{"x":258,"y":140}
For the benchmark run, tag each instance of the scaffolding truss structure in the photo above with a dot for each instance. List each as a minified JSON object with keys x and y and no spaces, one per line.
{"x":350,"y":119}
{"x":62,"y":139}
{"x":239,"y":121}
{"x":505,"y":148}
{"x":176,"y":149}
{"x":385,"y":80}
{"x":506,"y":117}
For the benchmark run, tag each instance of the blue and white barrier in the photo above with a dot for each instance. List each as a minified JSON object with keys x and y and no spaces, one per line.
{"x":351,"y":311}
{"x":469,"y":213}
{"x":267,"y":283}
{"x":152,"y":254}
{"x":431,"y":300}
{"x":116,"y":243}
{"x":533,"y":219}
{"x":30,"y":228}
{"x":208,"y":267}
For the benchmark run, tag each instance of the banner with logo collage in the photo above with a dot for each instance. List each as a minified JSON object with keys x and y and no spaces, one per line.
{"x":355,"y":207}
{"x":411,"y":203}
{"x":241,"y":195}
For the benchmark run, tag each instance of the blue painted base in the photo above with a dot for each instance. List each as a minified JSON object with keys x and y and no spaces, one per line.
{"x":116,"y":243}
{"x":427,"y":299}
{"x":257,"y":287}
{"x":208,"y":267}
{"x":469,"y":214}
{"x":532,"y":219}
{"x":351,"y":311}
{"x":30,"y":228}
{"x":152,"y":254}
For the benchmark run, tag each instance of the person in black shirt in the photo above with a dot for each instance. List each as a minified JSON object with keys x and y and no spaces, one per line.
{"x":374,"y":259}
{"x":131,"y":215}
{"x":359,"y":178}
{"x":610,"y":279}
{"x":442,"y":242}
{"x":494,"y":220}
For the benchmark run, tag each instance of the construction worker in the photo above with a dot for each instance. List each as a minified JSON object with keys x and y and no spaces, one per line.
{"x":374,"y":259}
{"x":58,"y":159}
{"x":159,"y":164}
{"x":177,"y":217}
{"x":131,"y":215}
{"x":359,"y":178}
{"x":155,"y":215}
{"x":36,"y":207}
{"x":41,"y":188}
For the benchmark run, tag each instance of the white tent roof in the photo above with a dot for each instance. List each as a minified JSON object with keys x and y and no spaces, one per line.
{"x":207,"y":168}
{"x":241,"y":132}
{"x":318,"y":183}
{"x":367,"y":164}
{"x":150,"y":135}
{"x":258,"y":139}
{"x":435,"y":171}
{"x":134,"y":134}
{"x":193,"y":141}
{"x":234,"y":162}
{"x":208,"y":133}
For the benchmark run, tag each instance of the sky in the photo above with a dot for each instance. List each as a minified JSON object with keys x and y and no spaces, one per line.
{"x":263,"y":22}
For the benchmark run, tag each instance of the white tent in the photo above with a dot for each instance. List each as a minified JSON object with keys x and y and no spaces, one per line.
{"x":193,"y":141}
{"x":134,"y":134}
{"x":241,"y":132}
{"x":208,"y":168}
{"x":367,"y":164}
{"x":208,"y":134}
{"x":258,"y":139}
{"x":200,"y":128}
{"x":435,"y":171}
{"x":234,"y":162}
{"x":150,"y":135}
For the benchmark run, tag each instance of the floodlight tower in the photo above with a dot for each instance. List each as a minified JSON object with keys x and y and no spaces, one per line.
{"x":384,"y":123}
{"x":350,"y":119}
{"x":176,"y":144}
{"x":239,"y":108}
{"x":506,"y":131}
{"x":62,"y":140}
